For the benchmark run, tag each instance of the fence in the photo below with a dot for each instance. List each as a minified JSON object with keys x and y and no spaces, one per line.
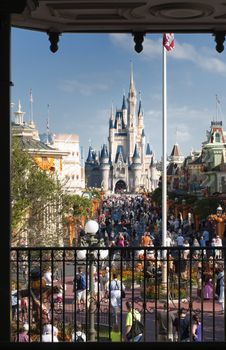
{"x":158,"y":283}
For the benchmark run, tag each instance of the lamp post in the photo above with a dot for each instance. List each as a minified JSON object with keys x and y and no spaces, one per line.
{"x":91,"y":229}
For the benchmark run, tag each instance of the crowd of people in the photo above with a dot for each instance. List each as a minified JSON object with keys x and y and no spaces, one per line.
{"x":132,"y":221}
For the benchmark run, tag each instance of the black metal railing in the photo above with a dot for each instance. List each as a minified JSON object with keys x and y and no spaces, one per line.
{"x":158,"y":282}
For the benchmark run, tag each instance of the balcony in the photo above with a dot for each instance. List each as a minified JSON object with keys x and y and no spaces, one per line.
{"x":155,"y":279}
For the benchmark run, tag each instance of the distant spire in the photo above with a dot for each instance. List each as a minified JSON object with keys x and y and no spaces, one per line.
{"x":47,"y":126}
{"x":104,"y":152}
{"x":143,"y":133}
{"x":139,"y":107}
{"x":148,"y":150}
{"x":131,"y":74}
{"x":124,"y":101}
{"x":90,"y":155}
{"x":176,"y":151}
{"x":31,"y":109}
{"x":131,"y":77}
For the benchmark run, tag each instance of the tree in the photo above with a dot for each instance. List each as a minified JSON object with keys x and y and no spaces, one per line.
{"x":76,"y":205}
{"x":205,"y":207}
{"x":33,"y":192}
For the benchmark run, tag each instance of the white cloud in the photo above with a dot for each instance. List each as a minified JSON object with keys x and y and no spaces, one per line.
{"x":202,"y":57}
{"x":85,"y":89}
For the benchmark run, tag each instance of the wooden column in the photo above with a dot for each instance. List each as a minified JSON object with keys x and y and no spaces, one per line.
{"x":5,"y":290}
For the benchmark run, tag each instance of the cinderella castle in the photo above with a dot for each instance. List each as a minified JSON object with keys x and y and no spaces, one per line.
{"x":127,"y":163}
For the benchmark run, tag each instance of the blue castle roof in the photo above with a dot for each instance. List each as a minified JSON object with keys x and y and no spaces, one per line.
{"x":104,"y":152}
{"x":136,"y":154}
{"x":120,"y":150}
{"x":148,"y":150}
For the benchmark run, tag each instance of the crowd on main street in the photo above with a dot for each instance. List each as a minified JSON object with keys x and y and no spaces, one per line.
{"x":132,"y":222}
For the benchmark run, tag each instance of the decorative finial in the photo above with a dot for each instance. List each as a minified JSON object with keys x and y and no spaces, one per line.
{"x":219,"y":39}
{"x":53,"y":38}
{"x":138,"y":38}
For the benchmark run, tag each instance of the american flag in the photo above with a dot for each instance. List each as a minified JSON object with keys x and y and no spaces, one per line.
{"x":168,"y":41}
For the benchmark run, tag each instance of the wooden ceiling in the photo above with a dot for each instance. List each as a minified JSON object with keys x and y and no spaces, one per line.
{"x":148,"y":16}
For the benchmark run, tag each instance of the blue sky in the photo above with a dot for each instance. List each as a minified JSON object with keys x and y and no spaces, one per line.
{"x":90,"y":71}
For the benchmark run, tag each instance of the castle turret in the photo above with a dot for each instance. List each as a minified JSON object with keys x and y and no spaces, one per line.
{"x":105,"y":168}
{"x":176,"y":156}
{"x":140,"y":123}
{"x":124,"y":110}
{"x":136,"y":168}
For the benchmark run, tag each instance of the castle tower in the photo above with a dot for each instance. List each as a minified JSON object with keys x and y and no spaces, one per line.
{"x":131,"y":124}
{"x":124,"y":110}
{"x":111,"y":131}
{"x":128,"y":165}
{"x":104,"y":168}
{"x":136,"y":168}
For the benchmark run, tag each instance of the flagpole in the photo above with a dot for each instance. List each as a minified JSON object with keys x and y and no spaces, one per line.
{"x":164,"y":148}
{"x":164,"y":174}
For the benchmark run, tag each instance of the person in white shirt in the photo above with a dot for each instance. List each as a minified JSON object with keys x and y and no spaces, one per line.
{"x":115,"y":290}
{"x":218,"y":243}
{"x":49,"y":334}
{"x":187,"y":251}
{"x":79,"y":335}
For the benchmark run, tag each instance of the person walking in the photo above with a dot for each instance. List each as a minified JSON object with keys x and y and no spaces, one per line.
{"x":80,"y":288}
{"x":220,"y":287}
{"x":182,"y":326}
{"x":116,"y":288}
{"x":23,"y":336}
{"x":132,"y":314}
{"x":196,"y":329}
{"x":165,"y":320}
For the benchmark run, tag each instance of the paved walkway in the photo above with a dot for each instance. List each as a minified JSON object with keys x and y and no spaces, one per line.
{"x":213,"y":327}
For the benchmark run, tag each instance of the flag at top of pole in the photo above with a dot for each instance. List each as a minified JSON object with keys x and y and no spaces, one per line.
{"x":168,"y":41}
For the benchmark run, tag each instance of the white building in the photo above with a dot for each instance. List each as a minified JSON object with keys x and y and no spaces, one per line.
{"x":71,"y":173}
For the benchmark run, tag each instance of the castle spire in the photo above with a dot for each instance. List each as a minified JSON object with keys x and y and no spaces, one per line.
{"x":139,"y":106}
{"x":136,"y":154}
{"x":132,"y":100}
{"x":90,"y":155}
{"x":131,"y":85}
{"x":124,"y":101}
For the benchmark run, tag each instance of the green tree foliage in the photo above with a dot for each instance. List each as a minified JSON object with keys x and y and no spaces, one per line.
{"x":157,"y":195}
{"x":205,"y":207}
{"x":76,"y":205}
{"x":32,"y":188}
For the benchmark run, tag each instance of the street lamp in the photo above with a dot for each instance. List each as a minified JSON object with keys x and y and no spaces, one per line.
{"x":91,"y":229}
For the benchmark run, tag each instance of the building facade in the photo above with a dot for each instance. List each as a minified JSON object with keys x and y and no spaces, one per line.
{"x":72,"y":172}
{"x":127,"y":163}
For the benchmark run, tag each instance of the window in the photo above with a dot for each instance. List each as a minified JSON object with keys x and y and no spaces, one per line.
{"x":217,"y":137}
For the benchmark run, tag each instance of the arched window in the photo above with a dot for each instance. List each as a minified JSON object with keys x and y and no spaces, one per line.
{"x":217,"y":137}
